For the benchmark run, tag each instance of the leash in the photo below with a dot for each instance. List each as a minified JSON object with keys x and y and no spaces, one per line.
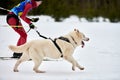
{"x":40,"y":34}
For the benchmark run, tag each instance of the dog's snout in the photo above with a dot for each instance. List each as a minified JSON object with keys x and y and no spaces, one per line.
{"x":86,"y":39}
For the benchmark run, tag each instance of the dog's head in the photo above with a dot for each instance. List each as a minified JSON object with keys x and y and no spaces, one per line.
{"x":79,"y":37}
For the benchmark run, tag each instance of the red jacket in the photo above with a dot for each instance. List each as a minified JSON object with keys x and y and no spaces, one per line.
{"x":27,"y":8}
{"x":23,"y":8}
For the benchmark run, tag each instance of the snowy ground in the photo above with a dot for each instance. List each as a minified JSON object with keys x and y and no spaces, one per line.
{"x":100,"y":56}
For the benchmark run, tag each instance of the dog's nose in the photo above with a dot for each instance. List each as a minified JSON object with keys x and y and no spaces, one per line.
{"x":88,"y":39}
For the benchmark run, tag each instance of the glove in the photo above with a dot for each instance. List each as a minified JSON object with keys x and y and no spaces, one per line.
{"x":34,"y":19}
{"x":32,"y":26}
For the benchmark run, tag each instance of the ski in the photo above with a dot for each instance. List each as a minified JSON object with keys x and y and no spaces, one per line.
{"x":11,"y":58}
{"x":7,"y":58}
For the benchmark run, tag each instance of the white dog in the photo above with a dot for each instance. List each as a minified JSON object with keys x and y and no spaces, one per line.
{"x":60,"y":47}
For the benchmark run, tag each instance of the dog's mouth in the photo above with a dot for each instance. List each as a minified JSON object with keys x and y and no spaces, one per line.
{"x":83,"y":44}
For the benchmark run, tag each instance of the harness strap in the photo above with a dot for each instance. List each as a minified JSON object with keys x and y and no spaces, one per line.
{"x":65,"y":39}
{"x":54,"y":41}
{"x":58,"y":47}
{"x":62,"y":38}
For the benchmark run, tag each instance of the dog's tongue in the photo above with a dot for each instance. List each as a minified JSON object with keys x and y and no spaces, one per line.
{"x":83,"y":44}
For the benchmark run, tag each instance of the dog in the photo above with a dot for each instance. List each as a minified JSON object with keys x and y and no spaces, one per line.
{"x":60,"y":47}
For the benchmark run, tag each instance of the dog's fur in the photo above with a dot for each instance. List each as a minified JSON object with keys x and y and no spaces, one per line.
{"x":38,"y":49}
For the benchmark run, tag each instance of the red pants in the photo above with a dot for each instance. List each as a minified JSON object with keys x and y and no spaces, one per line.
{"x":13,"y":21}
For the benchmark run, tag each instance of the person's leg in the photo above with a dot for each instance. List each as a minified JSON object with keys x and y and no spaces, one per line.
{"x":21,"y":40}
{"x":23,"y":35}
{"x":17,"y":26}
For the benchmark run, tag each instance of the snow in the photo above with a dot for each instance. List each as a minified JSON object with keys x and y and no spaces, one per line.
{"x":100,"y":56}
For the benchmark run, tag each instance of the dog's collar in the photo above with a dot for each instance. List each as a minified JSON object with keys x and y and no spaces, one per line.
{"x":73,"y":41}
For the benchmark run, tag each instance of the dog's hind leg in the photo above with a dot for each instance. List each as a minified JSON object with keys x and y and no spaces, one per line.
{"x":36,"y":66}
{"x":23,"y":58}
{"x":37,"y":59}
{"x":16,"y":65}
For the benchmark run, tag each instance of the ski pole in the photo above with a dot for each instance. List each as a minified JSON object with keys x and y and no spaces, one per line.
{"x":4,"y":9}
{"x":14,"y":27}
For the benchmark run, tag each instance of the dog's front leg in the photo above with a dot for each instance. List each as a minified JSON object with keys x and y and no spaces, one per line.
{"x":79,"y":66}
{"x":74,"y":63}
{"x":71,"y":60}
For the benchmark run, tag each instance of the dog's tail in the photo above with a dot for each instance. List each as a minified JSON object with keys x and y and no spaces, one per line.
{"x":19,"y":49}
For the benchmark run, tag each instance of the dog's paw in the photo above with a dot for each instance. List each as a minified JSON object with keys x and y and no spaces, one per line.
{"x":73,"y":68}
{"x":38,"y":71}
{"x":82,"y":68}
{"x":15,"y":70}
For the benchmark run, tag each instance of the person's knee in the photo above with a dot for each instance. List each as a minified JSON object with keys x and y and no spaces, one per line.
{"x":24,"y":35}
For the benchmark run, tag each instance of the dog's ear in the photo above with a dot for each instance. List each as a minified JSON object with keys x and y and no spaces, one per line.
{"x":76,"y":30}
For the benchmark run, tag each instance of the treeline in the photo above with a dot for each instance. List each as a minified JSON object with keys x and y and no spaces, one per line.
{"x":64,"y":8}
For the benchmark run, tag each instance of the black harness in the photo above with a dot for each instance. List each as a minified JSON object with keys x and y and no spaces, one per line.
{"x":57,"y":46}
